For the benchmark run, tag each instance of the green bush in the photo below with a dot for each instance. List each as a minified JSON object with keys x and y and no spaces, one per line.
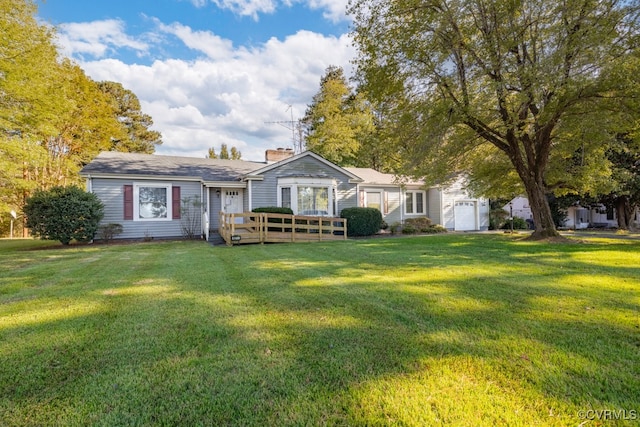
{"x":395,"y":227}
{"x":108,"y":231}
{"x":497,"y":218}
{"x":409,"y":229}
{"x":276,"y":210}
{"x":63,"y":214}
{"x":436,"y":228}
{"x":273,"y":209}
{"x":422,"y":224}
{"x":362,"y":221}
{"x":518,"y":224}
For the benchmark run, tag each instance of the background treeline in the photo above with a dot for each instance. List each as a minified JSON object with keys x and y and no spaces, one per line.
{"x":53,"y":118}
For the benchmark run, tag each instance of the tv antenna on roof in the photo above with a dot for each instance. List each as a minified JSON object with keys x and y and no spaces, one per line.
{"x":295,"y":126}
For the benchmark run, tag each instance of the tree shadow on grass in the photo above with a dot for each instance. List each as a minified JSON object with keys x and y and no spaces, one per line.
{"x":308,"y":335}
{"x":571,"y":354}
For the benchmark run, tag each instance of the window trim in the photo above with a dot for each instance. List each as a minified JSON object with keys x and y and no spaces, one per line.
{"x":294,"y":183}
{"x":380,"y":192}
{"x":414,"y":203}
{"x":136,"y":200}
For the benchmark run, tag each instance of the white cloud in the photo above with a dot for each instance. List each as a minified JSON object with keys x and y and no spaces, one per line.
{"x":227,"y":96}
{"x":247,"y":7}
{"x":334,"y":10}
{"x":204,"y":41}
{"x":97,"y":39}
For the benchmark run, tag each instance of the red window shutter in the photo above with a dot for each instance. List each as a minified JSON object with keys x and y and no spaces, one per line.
{"x":128,"y":202}
{"x":175,"y":202}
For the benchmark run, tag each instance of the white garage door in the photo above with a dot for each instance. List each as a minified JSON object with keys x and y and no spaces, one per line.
{"x":465,"y":216}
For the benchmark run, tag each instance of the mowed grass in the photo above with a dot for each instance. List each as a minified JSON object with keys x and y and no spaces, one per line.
{"x":466,"y":330}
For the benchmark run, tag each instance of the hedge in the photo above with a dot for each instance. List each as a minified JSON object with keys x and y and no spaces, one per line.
{"x":273,"y":209}
{"x":362,"y":221}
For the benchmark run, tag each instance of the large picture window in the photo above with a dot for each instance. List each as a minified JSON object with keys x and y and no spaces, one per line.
{"x":152,"y":202}
{"x":307,"y":196}
{"x":313,"y":201}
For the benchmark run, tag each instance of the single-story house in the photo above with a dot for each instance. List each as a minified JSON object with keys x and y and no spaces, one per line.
{"x":519,"y":207}
{"x":146,"y":194}
{"x":577,"y":216}
{"x":592,"y":216}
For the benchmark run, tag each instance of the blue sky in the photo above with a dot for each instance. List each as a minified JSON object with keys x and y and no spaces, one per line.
{"x":209,"y":71}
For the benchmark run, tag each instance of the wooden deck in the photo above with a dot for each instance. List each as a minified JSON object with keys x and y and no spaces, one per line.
{"x":252,"y":227}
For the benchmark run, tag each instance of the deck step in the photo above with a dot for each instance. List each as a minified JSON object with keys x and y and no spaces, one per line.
{"x":216,"y":239}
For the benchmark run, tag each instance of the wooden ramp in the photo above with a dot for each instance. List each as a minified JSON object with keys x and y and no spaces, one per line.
{"x":249,"y":227}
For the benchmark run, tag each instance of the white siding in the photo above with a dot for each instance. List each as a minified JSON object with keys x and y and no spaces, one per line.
{"x":434,"y":206}
{"x":394,"y":200}
{"x":456,"y":192}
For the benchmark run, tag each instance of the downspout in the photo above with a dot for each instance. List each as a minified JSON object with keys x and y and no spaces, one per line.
{"x":334,"y":201}
{"x":89,"y":190}
{"x":403,"y":201}
{"x":209,"y":208}
{"x":250,"y":195}
{"x":442,"y":221}
{"x":203,"y":224}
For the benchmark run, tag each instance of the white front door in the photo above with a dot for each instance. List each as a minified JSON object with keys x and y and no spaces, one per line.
{"x":232,"y":202}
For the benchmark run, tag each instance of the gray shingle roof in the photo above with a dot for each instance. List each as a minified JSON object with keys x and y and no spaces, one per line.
{"x":116,"y":163}
{"x":372,"y":176}
{"x":211,"y":170}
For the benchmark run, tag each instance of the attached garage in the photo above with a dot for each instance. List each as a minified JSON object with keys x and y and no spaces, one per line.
{"x":465,"y":215}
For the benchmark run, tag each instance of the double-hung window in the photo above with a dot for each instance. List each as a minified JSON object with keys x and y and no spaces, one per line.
{"x":285,"y":196}
{"x":414,"y":203}
{"x":373,"y":199}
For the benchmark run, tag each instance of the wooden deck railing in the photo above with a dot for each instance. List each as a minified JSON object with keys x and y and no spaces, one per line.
{"x":250,"y":227}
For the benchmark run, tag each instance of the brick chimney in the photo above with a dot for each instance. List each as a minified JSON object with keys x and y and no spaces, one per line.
{"x":272,"y":156}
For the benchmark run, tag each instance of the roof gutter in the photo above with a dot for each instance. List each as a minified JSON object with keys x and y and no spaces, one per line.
{"x":142,"y":177}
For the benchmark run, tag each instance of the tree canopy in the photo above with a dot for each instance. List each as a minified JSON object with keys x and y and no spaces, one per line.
{"x":138,"y":138}
{"x":530,"y":88}
{"x":234,"y":154}
{"x":53,"y":118}
{"x":340,"y":123}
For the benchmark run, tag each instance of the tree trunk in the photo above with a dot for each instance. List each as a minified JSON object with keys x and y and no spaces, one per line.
{"x":544,"y":227}
{"x":623,"y":212}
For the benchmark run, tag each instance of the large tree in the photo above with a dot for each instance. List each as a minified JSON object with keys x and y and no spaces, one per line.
{"x":29,"y":101}
{"x":339,"y":121}
{"x":625,"y":195}
{"x":53,"y":118}
{"x":139,"y":137}
{"x":533,"y":79}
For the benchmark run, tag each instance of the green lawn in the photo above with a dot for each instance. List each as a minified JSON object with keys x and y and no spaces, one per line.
{"x":465,"y":330}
